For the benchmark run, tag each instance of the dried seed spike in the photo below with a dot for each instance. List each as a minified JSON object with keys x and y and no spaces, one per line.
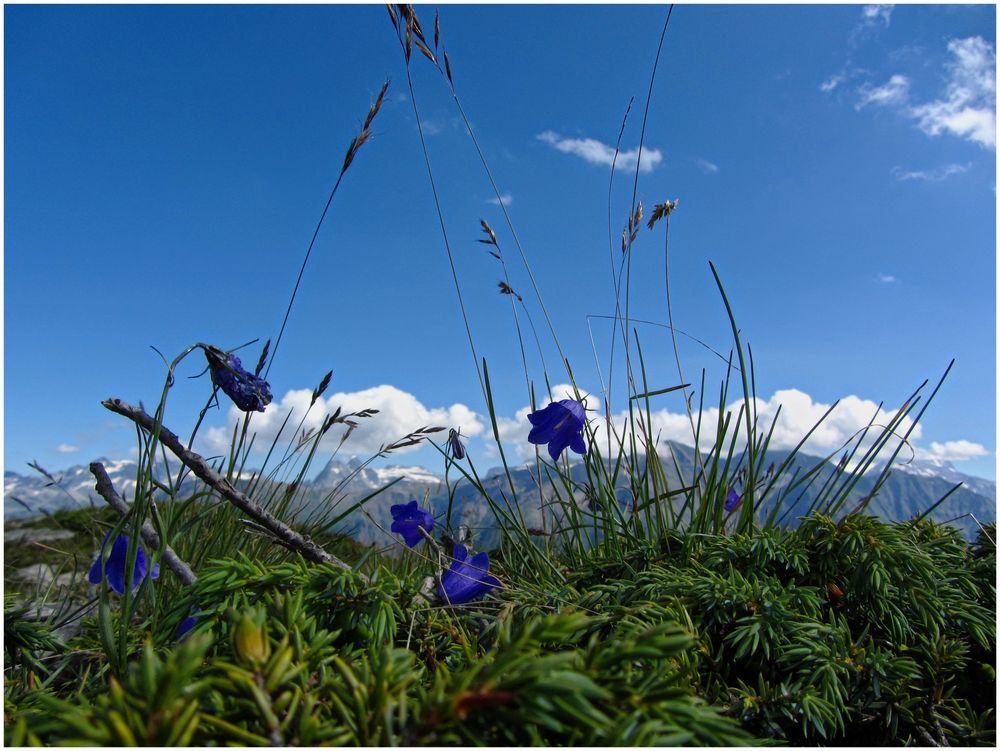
{"x":427,"y":53}
{"x":263,"y":358}
{"x":662,"y":210}
{"x":414,"y":23}
{"x":506,"y":289}
{"x":437,"y":28}
{"x":392,"y":16}
{"x":318,"y":391}
{"x":638,"y":213}
{"x":374,"y":109}
{"x":447,"y":67}
{"x":624,"y":240}
{"x":489,"y":231}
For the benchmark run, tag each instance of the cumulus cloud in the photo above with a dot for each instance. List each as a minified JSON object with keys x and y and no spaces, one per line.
{"x":792,"y":412}
{"x":709,"y":168}
{"x":66,"y":448}
{"x":505,"y":199}
{"x":954,"y":451}
{"x":886,"y":278}
{"x":595,"y":152}
{"x":892,"y":92}
{"x":931,"y":175}
{"x":968,"y":107}
{"x":399,"y":413}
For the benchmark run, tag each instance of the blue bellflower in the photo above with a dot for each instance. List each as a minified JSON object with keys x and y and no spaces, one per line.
{"x":188,"y":623}
{"x":733,"y":500}
{"x":559,"y":425}
{"x":114,"y":566}
{"x":247,"y":391}
{"x":408,"y":518}
{"x":467,"y":580}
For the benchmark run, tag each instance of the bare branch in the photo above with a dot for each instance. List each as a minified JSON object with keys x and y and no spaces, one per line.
{"x":288,"y":537}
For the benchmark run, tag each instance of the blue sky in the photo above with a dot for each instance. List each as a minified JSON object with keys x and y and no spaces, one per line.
{"x":165,"y":168}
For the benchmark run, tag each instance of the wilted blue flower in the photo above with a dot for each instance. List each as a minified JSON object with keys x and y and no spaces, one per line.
{"x":407,"y":520}
{"x":456,"y":446}
{"x":247,"y":391}
{"x":733,"y":500}
{"x":560,"y":425}
{"x":467,"y":580}
{"x":114,"y":566}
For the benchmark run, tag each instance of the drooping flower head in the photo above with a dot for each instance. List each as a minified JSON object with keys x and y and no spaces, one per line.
{"x":455,"y":444}
{"x":467,"y":580}
{"x":248,"y":392}
{"x":114,"y":567}
{"x":408,"y":518}
{"x":559,"y":425}
{"x":733,"y":500}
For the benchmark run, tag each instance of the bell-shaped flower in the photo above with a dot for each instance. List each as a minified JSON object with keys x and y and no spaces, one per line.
{"x":188,"y":623}
{"x":467,"y":578}
{"x":559,"y":425}
{"x":248,"y":392}
{"x":733,"y":500}
{"x":408,"y":518}
{"x":114,"y":567}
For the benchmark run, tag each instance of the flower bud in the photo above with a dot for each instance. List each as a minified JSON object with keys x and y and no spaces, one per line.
{"x":250,"y":640}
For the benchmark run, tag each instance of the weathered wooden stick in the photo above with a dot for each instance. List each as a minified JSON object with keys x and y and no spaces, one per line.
{"x":288,"y":537}
{"x":107,"y":491}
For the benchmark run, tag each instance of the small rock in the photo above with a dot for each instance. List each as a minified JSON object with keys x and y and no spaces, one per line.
{"x":35,"y":535}
{"x":38,"y":573}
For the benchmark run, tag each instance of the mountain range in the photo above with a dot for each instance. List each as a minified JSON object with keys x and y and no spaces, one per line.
{"x":909,"y":490}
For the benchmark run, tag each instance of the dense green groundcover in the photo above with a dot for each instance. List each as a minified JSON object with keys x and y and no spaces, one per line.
{"x":856,"y":632}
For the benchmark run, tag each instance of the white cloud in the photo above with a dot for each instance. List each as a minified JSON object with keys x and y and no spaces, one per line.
{"x":798,"y":414}
{"x":831,"y":83}
{"x":709,"y":168}
{"x":399,"y":414}
{"x":595,"y":152}
{"x":886,"y":278}
{"x":876,"y":15}
{"x":931,"y":175}
{"x":968,"y":107}
{"x":65,"y":448}
{"x":894,"y":91}
{"x":954,"y":451}
{"x":505,"y":199}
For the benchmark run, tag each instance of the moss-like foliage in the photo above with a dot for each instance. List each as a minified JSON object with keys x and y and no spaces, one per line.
{"x":848,"y":633}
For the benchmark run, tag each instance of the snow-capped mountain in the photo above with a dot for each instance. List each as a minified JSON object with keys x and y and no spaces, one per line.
{"x":911,"y":489}
{"x":34,"y":493}
{"x":357,"y":477}
{"x":946,"y":471}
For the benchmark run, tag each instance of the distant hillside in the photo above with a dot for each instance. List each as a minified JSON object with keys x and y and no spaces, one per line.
{"x":909,"y":490}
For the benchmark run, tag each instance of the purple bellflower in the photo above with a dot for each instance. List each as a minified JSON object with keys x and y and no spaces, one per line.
{"x":467,"y":580}
{"x":733,"y":500}
{"x":408,"y":518}
{"x":114,"y":567}
{"x":248,"y":392}
{"x":559,"y":425}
